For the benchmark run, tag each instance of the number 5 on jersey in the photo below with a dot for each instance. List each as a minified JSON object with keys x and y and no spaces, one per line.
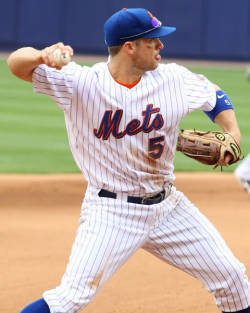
{"x":155,"y":147}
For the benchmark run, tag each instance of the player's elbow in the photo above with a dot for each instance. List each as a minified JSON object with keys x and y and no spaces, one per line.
{"x":17,"y":68}
{"x":216,"y":87}
{"x":13,"y":64}
{"x":10,"y":62}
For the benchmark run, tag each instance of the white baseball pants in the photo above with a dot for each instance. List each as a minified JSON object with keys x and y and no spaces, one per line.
{"x":112,"y":230}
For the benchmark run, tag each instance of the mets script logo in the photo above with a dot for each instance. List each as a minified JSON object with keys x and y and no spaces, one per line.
{"x":111,"y":121}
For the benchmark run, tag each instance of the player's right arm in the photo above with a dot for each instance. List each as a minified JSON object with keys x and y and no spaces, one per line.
{"x":23,"y":62}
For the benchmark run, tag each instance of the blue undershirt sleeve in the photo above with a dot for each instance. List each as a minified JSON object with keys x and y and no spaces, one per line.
{"x":223,"y":103}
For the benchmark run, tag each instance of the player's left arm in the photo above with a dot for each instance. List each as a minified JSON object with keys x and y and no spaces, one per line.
{"x":205,"y":95}
{"x":224,"y":116}
{"x":227,"y":121}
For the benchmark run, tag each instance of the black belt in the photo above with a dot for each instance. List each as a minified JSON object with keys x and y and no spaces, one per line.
{"x":139,"y":200}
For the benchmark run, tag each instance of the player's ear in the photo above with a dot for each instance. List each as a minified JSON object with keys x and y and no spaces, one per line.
{"x":129,"y":47}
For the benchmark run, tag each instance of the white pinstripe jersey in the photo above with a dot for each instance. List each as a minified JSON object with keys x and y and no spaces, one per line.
{"x":124,"y":139}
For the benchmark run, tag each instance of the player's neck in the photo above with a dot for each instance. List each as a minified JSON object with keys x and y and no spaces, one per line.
{"x":124,"y":72}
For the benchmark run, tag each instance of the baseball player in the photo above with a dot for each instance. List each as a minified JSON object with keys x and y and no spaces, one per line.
{"x":242,"y":172}
{"x":122,"y":120}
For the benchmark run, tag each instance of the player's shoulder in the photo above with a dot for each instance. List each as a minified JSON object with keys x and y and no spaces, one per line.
{"x":88,"y":72}
{"x":100,"y":67}
{"x":173,"y":68}
{"x":97,"y":69}
{"x":169,"y":71}
{"x":182,"y":72}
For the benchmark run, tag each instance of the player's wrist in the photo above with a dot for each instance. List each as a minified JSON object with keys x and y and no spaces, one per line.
{"x":236,"y":135}
{"x":38,"y":58}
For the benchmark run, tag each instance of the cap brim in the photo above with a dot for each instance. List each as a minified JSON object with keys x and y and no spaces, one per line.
{"x":160,"y":32}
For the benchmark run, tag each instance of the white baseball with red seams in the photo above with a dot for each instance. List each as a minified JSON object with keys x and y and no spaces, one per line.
{"x":123,"y":140}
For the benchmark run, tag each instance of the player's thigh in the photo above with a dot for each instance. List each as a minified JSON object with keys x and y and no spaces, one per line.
{"x":103,"y":244}
{"x":105,"y":240}
{"x":107,"y":236}
{"x":189,"y":241}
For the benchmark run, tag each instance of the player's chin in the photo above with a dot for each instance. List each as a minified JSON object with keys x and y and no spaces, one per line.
{"x":156,"y":61}
{"x":150,"y":66}
{"x":154,"y":65}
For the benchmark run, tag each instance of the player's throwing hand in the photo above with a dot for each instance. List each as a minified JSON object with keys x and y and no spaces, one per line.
{"x":57,"y":55}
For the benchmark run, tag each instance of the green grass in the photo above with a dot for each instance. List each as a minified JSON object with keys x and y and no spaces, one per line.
{"x":32,"y":131}
{"x":33,"y":137}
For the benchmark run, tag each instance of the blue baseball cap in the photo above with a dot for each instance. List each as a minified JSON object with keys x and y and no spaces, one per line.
{"x":131,"y":24}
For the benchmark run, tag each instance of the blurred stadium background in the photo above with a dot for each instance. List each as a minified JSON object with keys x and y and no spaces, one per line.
{"x":33,"y":139}
{"x":218,"y":29}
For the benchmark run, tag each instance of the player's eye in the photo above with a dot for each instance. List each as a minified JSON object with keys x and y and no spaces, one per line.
{"x":150,"y":42}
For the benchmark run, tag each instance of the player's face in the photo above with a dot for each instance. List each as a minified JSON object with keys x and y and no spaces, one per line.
{"x":147,"y":53}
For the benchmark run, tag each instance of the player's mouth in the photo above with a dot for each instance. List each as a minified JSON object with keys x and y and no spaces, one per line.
{"x":158,"y":58}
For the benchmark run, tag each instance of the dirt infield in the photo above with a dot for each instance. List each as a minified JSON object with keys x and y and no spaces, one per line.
{"x":39,"y":216}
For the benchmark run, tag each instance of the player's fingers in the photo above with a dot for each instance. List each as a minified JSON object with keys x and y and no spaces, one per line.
{"x":47,"y":55}
{"x":226,"y":161}
{"x":70,"y":49}
{"x":228,"y":158}
{"x":44,"y":55}
{"x":50,"y":56}
{"x":60,"y":45}
{"x":64,"y":48}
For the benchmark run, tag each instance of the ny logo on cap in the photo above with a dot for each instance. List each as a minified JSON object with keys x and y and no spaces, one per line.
{"x":155,"y":22}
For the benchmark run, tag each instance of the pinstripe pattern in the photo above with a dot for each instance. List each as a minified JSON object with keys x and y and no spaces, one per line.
{"x":85,"y":94}
{"x":123,"y":140}
{"x":188,"y":241}
{"x":173,"y":230}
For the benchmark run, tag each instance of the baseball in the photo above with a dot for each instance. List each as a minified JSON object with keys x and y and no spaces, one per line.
{"x":61,"y":58}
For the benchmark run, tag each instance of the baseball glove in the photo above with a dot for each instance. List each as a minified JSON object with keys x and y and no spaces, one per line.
{"x":209,"y":148}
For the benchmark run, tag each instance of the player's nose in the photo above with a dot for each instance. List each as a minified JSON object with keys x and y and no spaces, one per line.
{"x":159,"y":44}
